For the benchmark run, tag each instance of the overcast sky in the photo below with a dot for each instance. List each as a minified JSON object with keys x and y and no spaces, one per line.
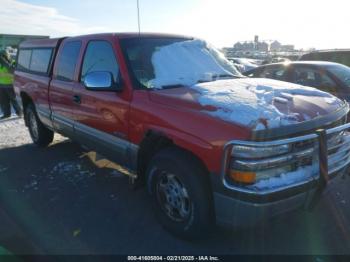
{"x":305,"y":23}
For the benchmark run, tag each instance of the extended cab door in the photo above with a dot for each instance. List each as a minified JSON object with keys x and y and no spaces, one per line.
{"x":102,"y":116}
{"x":61,"y":88}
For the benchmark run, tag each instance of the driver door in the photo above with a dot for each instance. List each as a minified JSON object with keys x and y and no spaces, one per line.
{"x":102,"y":117}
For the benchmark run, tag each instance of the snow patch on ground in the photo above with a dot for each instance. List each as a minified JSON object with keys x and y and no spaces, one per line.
{"x":249,"y":102}
{"x":3,"y":169}
{"x":32,"y":185}
{"x":73,"y":171}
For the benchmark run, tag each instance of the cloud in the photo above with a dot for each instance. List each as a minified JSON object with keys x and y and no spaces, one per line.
{"x":22,"y":18}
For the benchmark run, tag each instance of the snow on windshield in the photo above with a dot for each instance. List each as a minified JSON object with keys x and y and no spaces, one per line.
{"x":249,"y":101}
{"x":188,"y":62}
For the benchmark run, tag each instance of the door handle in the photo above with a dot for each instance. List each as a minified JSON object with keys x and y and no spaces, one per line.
{"x":77,"y":99}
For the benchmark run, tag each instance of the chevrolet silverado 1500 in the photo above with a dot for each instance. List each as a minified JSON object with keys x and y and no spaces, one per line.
{"x":210,"y":145}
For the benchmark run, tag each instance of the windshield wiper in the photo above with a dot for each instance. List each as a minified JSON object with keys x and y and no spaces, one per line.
{"x":226,"y":75}
{"x":172,"y":86}
{"x":218,"y":77}
{"x":214,"y":78}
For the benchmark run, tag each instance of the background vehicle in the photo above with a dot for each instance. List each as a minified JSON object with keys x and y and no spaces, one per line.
{"x":276,"y":60}
{"x":341,"y":56}
{"x":209,"y":144}
{"x":329,"y":77}
{"x":244,"y":64}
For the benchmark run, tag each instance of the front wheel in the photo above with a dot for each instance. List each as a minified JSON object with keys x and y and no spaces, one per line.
{"x":181,"y":194}
{"x":41,"y":135}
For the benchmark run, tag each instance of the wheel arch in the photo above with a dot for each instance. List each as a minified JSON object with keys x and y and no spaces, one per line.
{"x":25,"y":100}
{"x":154,"y":141}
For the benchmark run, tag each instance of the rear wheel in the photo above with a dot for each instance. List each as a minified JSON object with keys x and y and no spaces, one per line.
{"x":41,"y":135}
{"x":181,"y":194}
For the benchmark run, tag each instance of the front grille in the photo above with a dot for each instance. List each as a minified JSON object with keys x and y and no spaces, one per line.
{"x":338,"y":150}
{"x":322,"y":153}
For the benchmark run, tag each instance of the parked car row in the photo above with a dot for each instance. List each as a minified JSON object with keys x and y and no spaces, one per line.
{"x":327,"y":76}
{"x":244,"y":64}
{"x":341,"y":56}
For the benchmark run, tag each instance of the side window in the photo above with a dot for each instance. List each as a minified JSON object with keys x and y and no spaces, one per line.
{"x":315,"y":78}
{"x":99,"y":56}
{"x":67,"y":61}
{"x":24,"y":59}
{"x":40,"y":60}
{"x":278,"y":73}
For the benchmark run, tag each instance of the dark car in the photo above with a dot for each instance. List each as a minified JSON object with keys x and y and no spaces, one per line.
{"x":341,"y":56}
{"x":326,"y":76}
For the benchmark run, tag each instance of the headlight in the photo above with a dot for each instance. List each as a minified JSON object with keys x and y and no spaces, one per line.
{"x":259,"y":152}
{"x":250,"y":164}
{"x":249,"y":177}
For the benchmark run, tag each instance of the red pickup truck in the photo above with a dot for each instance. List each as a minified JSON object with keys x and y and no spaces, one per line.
{"x":211,"y":145}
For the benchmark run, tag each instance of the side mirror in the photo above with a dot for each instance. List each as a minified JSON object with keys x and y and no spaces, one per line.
{"x":100,"y":81}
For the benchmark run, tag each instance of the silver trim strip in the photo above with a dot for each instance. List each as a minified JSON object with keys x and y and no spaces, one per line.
{"x":44,"y":116}
{"x":123,"y":150}
{"x":62,"y":124}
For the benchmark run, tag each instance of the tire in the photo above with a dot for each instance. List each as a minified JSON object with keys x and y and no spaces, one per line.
{"x":181,"y":193}
{"x":41,"y":135}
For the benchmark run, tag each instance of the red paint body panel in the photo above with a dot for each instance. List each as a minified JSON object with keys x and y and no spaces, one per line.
{"x":36,"y":86}
{"x":190,"y":129}
{"x":61,"y":98}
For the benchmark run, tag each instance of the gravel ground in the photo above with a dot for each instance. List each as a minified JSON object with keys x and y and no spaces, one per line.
{"x":58,"y":202}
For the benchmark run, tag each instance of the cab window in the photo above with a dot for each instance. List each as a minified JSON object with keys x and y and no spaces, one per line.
{"x":40,"y":61}
{"x":99,"y":56}
{"x":24,"y":59}
{"x":67,"y":61}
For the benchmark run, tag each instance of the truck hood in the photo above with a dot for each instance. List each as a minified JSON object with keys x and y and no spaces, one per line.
{"x":258,"y":104}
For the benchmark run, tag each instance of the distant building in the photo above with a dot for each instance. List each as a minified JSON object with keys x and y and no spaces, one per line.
{"x":7,"y":40}
{"x":275,"y":46}
{"x":287,"y":48}
{"x":262,"y":46}
{"x":255,"y":45}
{"x":244,"y":46}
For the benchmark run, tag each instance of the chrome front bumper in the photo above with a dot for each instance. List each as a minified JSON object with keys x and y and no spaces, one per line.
{"x":240,"y":205}
{"x":233,"y":212}
{"x":329,"y":153}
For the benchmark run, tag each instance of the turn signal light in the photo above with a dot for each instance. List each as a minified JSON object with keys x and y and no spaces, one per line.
{"x":243,"y":177}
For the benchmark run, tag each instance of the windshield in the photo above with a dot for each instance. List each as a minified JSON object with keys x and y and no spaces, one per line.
{"x":170,"y":62}
{"x":342,"y":72}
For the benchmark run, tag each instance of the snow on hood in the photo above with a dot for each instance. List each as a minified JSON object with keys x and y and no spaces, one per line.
{"x":251,"y":102}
